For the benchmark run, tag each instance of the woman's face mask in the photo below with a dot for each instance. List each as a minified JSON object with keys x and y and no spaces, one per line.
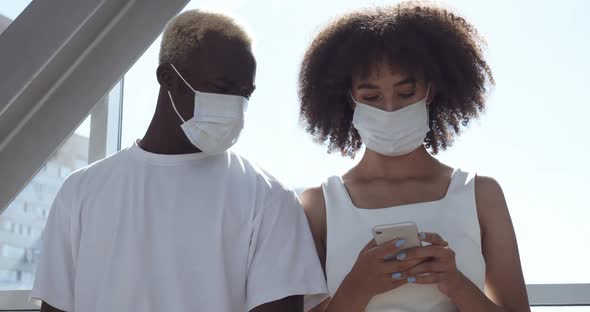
{"x":217,"y":121}
{"x":393,"y":133}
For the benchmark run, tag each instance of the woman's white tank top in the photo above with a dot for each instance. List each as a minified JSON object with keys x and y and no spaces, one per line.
{"x":454,"y":217}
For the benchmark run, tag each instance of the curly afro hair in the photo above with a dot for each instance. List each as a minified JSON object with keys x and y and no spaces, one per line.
{"x":419,"y":38}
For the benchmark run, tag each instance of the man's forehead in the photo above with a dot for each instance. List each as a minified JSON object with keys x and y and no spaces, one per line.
{"x":221,"y":55}
{"x":214,"y":43}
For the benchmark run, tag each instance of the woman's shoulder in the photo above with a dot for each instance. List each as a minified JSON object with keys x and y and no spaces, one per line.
{"x":312,"y":200}
{"x":490,"y":202}
{"x":487,"y":190}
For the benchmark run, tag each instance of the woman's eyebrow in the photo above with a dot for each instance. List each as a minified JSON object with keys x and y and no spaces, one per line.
{"x":408,"y":80}
{"x":366,"y":85}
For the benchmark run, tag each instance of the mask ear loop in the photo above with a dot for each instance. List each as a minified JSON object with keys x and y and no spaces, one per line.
{"x":427,"y":104}
{"x":174,"y":106}
{"x":176,"y":70}
{"x":352,"y":97}
{"x":170,"y":95}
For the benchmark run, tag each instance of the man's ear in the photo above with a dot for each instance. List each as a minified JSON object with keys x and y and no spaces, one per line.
{"x":167,"y":77}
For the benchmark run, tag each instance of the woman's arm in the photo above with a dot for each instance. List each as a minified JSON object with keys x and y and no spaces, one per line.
{"x":505,"y":288}
{"x":314,"y":205}
{"x":371,"y":273}
{"x":505,"y":284}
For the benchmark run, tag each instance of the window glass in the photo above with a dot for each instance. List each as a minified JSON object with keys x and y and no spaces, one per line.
{"x":560,"y":309}
{"x":10,"y":10}
{"x":22,"y":223}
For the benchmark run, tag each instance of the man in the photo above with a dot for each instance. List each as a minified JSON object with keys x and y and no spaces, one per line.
{"x":176,"y":222}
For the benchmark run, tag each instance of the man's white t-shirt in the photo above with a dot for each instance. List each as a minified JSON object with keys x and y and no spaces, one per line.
{"x":145,"y":232}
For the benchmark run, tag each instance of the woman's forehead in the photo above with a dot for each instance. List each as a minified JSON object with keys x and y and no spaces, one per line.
{"x":381,"y":70}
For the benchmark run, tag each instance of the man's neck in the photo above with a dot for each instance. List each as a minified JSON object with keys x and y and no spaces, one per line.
{"x":164,"y":134}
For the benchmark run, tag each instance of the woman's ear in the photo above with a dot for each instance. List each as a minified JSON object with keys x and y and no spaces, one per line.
{"x":351,"y":100}
{"x":431,"y":94}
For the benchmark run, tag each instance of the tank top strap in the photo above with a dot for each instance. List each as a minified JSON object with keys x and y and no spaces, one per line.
{"x":335,"y":193}
{"x":461,"y":180}
{"x":461,"y":199}
{"x":332,"y":186}
{"x":340,"y":212}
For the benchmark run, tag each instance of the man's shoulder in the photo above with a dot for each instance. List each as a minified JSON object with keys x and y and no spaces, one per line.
{"x":263,"y":178}
{"x":97,"y":169}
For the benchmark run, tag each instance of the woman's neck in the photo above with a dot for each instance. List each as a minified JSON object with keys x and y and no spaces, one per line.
{"x":418,"y":163}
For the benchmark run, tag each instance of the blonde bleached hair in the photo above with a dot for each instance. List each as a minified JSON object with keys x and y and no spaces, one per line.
{"x":185,"y":32}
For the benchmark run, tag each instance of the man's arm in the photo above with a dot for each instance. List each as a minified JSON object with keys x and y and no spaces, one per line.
{"x":45,"y":307}
{"x":289,"y":304}
{"x":56,"y":271}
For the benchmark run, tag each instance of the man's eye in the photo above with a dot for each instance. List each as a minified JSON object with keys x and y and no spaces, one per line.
{"x":246,"y":92}
{"x":217,"y":88}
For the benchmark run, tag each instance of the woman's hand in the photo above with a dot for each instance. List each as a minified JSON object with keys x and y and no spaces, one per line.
{"x":438,"y":264}
{"x":375,"y":272}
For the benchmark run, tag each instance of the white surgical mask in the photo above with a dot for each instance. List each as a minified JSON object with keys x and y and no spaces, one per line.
{"x":392,"y":133}
{"x":217,"y":121}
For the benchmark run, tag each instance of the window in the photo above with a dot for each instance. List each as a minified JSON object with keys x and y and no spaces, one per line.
{"x":22,"y":223}
{"x":530,"y":138}
{"x":10,"y":10}
{"x":560,"y":309}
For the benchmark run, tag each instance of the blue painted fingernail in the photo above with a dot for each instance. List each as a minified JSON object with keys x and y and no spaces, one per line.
{"x":396,"y":276}
{"x":401,"y":256}
{"x":422,"y":236}
{"x":400,"y":243}
{"x":411,"y":279}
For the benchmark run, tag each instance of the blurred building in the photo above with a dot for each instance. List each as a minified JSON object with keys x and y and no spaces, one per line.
{"x":23,"y":221}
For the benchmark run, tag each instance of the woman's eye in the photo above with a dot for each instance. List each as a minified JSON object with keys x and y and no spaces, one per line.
{"x":406,"y":95}
{"x":371,"y":98}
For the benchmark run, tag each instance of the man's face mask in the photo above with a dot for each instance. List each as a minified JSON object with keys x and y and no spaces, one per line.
{"x":217,"y":121}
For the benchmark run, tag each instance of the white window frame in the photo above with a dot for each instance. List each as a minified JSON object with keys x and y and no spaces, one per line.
{"x":61,"y":65}
{"x":559,"y":294}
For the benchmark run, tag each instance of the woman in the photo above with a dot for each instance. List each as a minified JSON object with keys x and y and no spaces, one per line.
{"x":402,"y":80}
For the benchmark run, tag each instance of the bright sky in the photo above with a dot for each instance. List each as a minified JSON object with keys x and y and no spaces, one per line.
{"x":530,"y":139}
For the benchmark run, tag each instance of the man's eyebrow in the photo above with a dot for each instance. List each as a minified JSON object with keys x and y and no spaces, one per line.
{"x":222,"y":80}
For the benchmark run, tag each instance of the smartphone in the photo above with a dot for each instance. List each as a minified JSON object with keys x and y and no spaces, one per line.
{"x":407,"y":231}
